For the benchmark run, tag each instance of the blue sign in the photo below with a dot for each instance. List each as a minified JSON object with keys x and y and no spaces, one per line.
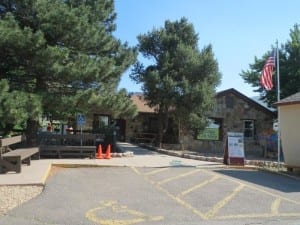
{"x":81,"y":120}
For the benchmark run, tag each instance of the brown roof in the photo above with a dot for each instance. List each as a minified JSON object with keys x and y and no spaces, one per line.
{"x":141,"y":104}
{"x":291,"y":100}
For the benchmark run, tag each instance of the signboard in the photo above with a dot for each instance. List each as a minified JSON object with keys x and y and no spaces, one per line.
{"x":209,"y":134}
{"x":81,"y":120}
{"x":235,"y":147}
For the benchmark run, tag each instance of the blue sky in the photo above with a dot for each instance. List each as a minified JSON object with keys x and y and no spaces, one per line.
{"x":238,"y":30}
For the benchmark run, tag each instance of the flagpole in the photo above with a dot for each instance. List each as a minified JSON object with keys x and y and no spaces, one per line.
{"x":278,"y":99}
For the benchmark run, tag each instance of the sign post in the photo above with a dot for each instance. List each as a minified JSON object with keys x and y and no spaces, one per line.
{"x":81,"y":122}
{"x":235,"y":146}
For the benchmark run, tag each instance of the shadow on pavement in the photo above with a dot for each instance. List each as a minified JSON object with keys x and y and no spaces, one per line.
{"x":266,"y":179}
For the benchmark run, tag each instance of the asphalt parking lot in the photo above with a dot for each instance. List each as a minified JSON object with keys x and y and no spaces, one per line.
{"x":167,"y":195}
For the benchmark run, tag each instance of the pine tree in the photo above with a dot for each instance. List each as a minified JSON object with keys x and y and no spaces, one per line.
{"x":182,"y":79}
{"x":61,"y":52}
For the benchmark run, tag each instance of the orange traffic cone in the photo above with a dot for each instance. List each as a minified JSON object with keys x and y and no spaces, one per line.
{"x":108,"y":156}
{"x":99,"y":153}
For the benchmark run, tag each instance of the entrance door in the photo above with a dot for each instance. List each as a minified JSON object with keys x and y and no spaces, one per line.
{"x":121,"y":129}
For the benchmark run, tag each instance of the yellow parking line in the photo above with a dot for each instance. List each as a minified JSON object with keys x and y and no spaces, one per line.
{"x":289,"y":214}
{"x":182,"y":202}
{"x":173,"y":197}
{"x":136,"y":170}
{"x":156,"y":171}
{"x":211,"y":214}
{"x":275,"y":206}
{"x":224,"y":201}
{"x":272,"y":194}
{"x":245,"y":216}
{"x":202,"y":184}
{"x":235,"y":180}
{"x":256,"y":215}
{"x":179,"y":176}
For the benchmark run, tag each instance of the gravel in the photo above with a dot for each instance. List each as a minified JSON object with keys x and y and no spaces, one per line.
{"x":13,"y":196}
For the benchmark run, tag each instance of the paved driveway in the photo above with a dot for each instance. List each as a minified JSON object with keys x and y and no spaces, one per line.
{"x":164,"y":196}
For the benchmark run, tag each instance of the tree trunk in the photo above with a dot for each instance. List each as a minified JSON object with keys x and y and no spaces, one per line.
{"x":180,"y":137}
{"x":31,"y":133}
{"x":163,"y":126}
{"x":160,"y":132}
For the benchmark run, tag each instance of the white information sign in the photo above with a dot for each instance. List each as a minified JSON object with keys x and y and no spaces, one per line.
{"x":236,"y":145}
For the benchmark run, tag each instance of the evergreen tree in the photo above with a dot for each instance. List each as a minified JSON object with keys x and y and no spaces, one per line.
{"x":62,"y":52}
{"x":181,"y":81}
{"x":289,"y":63}
{"x":16,"y":107}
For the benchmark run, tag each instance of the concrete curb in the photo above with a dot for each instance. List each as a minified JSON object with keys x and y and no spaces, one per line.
{"x":46,"y":174}
{"x":269,"y":166}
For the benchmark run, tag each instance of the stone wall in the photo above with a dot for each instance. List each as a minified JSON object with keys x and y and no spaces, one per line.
{"x":216,"y":148}
{"x":233,"y":110}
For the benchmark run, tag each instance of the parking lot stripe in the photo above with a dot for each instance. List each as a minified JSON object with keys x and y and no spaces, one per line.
{"x":173,"y":197}
{"x":257,"y":188}
{"x":212,"y":213}
{"x":245,"y":216}
{"x":136,"y":170}
{"x":181,"y":202}
{"x":224,"y":201}
{"x":156,"y":171}
{"x":256,"y":215}
{"x":200,"y":185}
{"x":179,"y":176}
{"x":275,"y":206}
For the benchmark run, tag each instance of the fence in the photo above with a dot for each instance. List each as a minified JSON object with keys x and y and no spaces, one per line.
{"x":69,"y":145}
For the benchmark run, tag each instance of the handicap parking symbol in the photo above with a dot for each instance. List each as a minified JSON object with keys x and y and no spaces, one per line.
{"x":81,"y":120}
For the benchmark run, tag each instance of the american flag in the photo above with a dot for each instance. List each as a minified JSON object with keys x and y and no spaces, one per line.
{"x":267,"y":72}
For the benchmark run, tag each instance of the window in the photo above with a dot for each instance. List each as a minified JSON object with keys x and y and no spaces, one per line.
{"x":103,"y":121}
{"x":249,"y":128}
{"x":100,"y":121}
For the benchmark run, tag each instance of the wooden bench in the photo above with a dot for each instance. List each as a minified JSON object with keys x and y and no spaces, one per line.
{"x":11,"y":160}
{"x":68,"y":145}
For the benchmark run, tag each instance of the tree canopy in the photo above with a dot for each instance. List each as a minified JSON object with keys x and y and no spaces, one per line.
{"x":62,"y":55}
{"x":289,"y":70}
{"x":181,"y":79}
